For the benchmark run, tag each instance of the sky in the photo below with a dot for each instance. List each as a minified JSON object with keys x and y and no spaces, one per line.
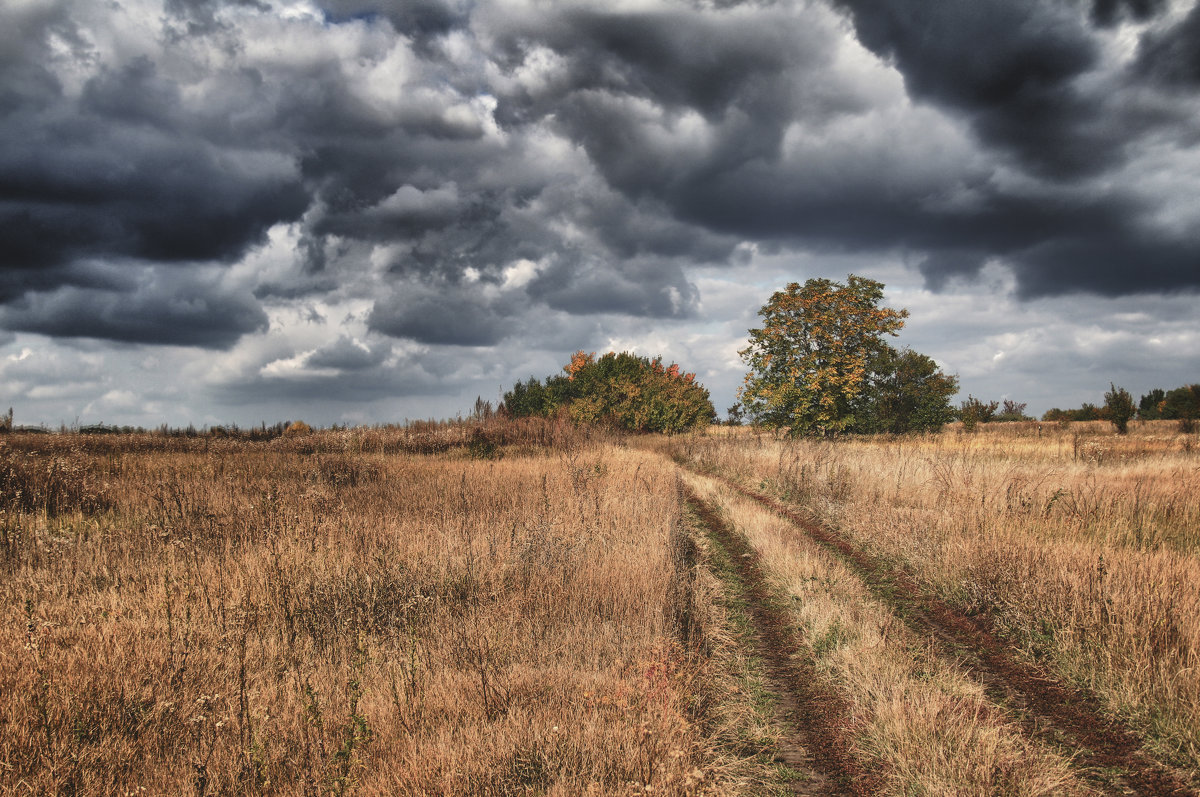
{"x":355,"y":211}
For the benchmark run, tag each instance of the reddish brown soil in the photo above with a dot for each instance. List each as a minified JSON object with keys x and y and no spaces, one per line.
{"x":1054,"y":710}
{"x":819,"y":716}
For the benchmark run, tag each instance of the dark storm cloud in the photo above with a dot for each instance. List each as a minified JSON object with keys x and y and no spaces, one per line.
{"x":682,"y":59}
{"x":1028,"y":78}
{"x":1172,"y":57}
{"x":1108,"y":12}
{"x":121,"y":173}
{"x":117,"y":172}
{"x":1014,"y":71}
{"x":168,"y":309}
{"x":441,"y":316}
{"x":644,"y":287}
{"x":423,"y":151}
{"x":1010,"y":65}
{"x":346,"y":354}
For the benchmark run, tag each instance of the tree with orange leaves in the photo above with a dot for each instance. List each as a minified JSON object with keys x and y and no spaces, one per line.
{"x":623,"y":390}
{"x":811,"y":361}
{"x":580,"y":361}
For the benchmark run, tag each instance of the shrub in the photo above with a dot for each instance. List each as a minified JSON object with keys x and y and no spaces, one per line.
{"x":481,"y":445}
{"x":637,"y":394}
{"x":1119,"y":407}
{"x":297,"y":429}
{"x":974,"y":411}
{"x":1012,"y":411}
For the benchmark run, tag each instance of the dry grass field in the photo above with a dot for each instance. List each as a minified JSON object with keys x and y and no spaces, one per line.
{"x":532,"y":609}
{"x":1077,"y":547}
{"x":259,"y":618}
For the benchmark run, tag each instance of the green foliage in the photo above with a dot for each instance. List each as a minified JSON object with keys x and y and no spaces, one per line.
{"x":1087,"y":412}
{"x":735,"y":414}
{"x":1118,"y":407}
{"x":529,"y":398}
{"x":908,"y":393}
{"x":1011,"y":410}
{"x":975,"y":411}
{"x":1182,"y":403}
{"x":635,"y":393}
{"x":811,"y":361}
{"x":1150,"y":406}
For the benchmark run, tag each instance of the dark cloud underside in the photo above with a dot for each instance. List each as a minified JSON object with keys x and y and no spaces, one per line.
{"x":464,"y":167}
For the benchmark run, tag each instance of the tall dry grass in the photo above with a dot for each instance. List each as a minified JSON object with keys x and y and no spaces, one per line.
{"x":1079,"y":544}
{"x":321,"y":615}
{"x":918,"y":721}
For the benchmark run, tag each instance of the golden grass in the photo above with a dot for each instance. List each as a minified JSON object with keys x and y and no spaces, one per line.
{"x":918,"y":720}
{"x":496,"y":609}
{"x":1081,"y":545}
{"x":311,"y":616}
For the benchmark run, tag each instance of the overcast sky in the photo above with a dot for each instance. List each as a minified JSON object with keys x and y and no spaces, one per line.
{"x":218,"y":211}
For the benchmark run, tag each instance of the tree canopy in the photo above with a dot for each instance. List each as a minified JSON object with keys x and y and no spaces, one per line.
{"x":1182,"y":403}
{"x":908,"y":393}
{"x":635,"y":393}
{"x":819,"y":364}
{"x":1119,"y":407}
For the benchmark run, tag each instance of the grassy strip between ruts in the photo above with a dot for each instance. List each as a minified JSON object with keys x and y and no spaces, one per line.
{"x":819,"y":713}
{"x":751,"y":728}
{"x":1053,"y":710}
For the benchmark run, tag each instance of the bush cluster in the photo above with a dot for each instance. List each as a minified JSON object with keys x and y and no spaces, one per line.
{"x":637,"y":394}
{"x":1181,"y":404}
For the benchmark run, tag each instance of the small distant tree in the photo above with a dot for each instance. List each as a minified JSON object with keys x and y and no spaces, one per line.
{"x":734,"y":415}
{"x":973,"y":412}
{"x":6,"y":422}
{"x":529,"y":398}
{"x":1119,"y":407}
{"x":1087,"y":412}
{"x":1011,"y":411}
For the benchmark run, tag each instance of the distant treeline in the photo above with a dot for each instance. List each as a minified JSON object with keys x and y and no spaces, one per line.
{"x":253,"y":433}
{"x":1181,"y":404}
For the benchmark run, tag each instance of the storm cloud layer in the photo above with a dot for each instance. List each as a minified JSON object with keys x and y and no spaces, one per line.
{"x":354,"y":193}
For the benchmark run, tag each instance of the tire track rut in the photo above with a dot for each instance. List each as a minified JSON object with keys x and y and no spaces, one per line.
{"x":1053,"y":710}
{"x":819,"y":717}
